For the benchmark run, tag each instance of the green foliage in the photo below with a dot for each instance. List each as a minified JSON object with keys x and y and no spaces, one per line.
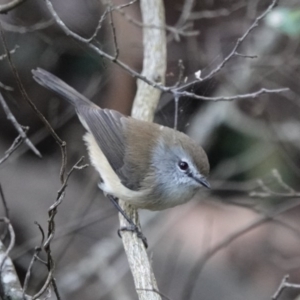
{"x":285,"y":20}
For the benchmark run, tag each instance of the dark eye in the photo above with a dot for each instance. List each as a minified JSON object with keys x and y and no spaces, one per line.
{"x":183,"y":166}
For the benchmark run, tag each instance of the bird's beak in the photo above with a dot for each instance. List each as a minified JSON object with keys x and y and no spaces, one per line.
{"x":203,"y":181}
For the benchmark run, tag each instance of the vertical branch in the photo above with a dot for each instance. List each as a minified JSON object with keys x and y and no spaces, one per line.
{"x":154,"y":64}
{"x":145,"y":103}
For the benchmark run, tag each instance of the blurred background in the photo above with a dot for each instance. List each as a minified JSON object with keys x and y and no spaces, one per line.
{"x":252,"y":144}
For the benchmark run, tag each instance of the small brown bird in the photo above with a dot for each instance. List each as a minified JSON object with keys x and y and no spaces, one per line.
{"x":145,"y":164}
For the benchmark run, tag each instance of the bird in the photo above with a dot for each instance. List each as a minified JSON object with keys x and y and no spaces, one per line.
{"x":147,"y":165}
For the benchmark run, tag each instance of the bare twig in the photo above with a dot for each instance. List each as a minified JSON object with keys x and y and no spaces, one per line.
{"x":2,"y":85}
{"x":45,"y":286}
{"x":18,"y":127}
{"x":12,"y":51}
{"x":268,"y":192}
{"x":6,"y":212}
{"x":6,"y":87}
{"x":6,"y":209}
{"x":183,"y":18}
{"x":177,"y":32}
{"x":12,"y":241}
{"x":28,"y":28}
{"x":237,"y":45}
{"x":211,"y":14}
{"x":157,"y":82}
{"x":181,"y":73}
{"x":235,"y":97}
{"x":284,"y":285}
{"x":113,"y":29}
{"x":62,"y":144}
{"x":51,"y":232}
{"x":15,"y":145}
{"x":35,"y":257}
{"x":5,"y":8}
{"x":10,"y":286}
{"x":196,"y":270}
{"x":109,"y":9}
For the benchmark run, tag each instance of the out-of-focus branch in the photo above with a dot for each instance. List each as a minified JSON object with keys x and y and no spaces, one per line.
{"x":179,"y":91}
{"x":199,"y":265}
{"x":284,"y":285}
{"x":18,"y":127}
{"x":29,"y":28}
{"x":62,"y":144}
{"x":5,"y":8}
{"x":217,"y":13}
{"x":2,"y":85}
{"x":267,"y":192}
{"x":10,"y":287}
{"x":15,"y":145}
{"x":177,"y":31}
{"x":236,"y":46}
{"x":50,"y":280}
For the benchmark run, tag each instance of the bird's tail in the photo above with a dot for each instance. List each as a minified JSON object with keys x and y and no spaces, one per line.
{"x":56,"y":85}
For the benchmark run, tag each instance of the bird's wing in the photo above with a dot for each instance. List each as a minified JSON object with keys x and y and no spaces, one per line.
{"x":108,"y":131}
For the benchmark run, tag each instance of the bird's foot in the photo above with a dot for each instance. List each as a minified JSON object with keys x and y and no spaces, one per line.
{"x":133,"y":228}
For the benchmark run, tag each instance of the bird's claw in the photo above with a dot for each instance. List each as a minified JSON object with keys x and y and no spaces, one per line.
{"x":134,"y":228}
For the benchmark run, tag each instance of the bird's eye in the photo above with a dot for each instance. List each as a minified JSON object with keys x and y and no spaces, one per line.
{"x":183,"y":166}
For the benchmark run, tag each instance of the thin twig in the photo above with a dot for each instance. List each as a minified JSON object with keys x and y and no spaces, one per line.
{"x":5,"y":8}
{"x":4,"y":202}
{"x":113,"y":29}
{"x":183,"y":18}
{"x":235,"y":97}
{"x":51,"y":232}
{"x":283,"y":285}
{"x":18,"y":127}
{"x":107,"y":11}
{"x":6,"y":87}
{"x":28,"y":28}
{"x":6,"y":212}
{"x":11,"y":243}
{"x":15,"y":145}
{"x":62,"y":144}
{"x":35,"y":257}
{"x":12,"y":51}
{"x":10,"y":287}
{"x":182,"y":31}
{"x":196,"y":270}
{"x":157,"y":83}
{"x":267,"y":192}
{"x":217,"y":13}
{"x":236,"y":46}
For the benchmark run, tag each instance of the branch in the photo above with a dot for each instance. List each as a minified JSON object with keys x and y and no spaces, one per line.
{"x":15,"y":145}
{"x":211,"y":14}
{"x":145,"y":103}
{"x":51,"y":232}
{"x":156,"y":82}
{"x":18,"y":127}
{"x":176,"y":31}
{"x":62,"y":144}
{"x":236,"y":46}
{"x":5,"y":8}
{"x":10,"y":287}
{"x":196,"y":270}
{"x":235,"y":97}
{"x":283,"y":285}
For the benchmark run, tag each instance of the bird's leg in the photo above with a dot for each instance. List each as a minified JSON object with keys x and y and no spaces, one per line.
{"x":132,"y":227}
